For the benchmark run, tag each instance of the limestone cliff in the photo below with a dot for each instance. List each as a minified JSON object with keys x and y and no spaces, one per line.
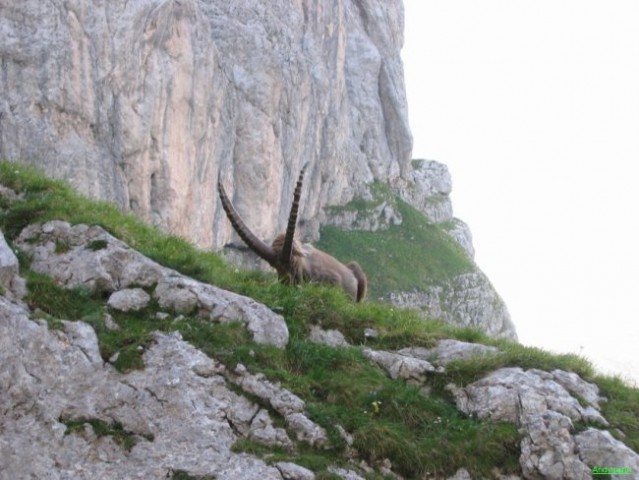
{"x":146,"y":103}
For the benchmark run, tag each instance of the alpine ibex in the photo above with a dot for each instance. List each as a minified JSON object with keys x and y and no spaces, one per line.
{"x":293,"y":260}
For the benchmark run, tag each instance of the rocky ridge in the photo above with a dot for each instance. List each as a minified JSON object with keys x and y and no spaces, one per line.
{"x":184,"y":410}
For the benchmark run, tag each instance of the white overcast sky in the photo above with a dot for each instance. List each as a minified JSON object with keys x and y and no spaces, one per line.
{"x":534,"y":107}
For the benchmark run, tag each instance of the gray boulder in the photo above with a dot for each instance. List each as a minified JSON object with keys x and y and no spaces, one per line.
{"x":543,"y":406}
{"x":291,"y":471}
{"x":334,"y":338}
{"x":399,"y":366}
{"x":449,"y":350}
{"x":94,"y":259}
{"x":129,"y":300}
{"x":10,"y":280}
{"x":287,"y":404}
{"x":599,"y":448}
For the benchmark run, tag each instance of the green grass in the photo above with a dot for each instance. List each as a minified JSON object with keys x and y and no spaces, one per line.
{"x":513,"y":355}
{"x":414,"y":255}
{"x":621,"y":409}
{"x":45,"y":199}
{"x":115,"y":430}
{"x":56,"y":302}
{"x":418,"y":432}
{"x":182,"y":475}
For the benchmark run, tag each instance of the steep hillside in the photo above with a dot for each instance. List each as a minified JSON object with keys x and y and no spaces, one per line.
{"x":119,"y":364}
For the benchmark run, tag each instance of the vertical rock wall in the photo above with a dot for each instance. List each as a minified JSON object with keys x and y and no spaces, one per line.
{"x":144,"y":103}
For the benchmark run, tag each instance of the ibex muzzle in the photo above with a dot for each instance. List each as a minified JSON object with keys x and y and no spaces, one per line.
{"x":294,"y":261}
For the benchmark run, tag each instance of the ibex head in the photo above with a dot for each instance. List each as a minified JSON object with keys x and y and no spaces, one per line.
{"x":294,"y":261}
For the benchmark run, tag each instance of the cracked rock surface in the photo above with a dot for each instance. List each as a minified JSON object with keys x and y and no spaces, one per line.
{"x":179,"y":410}
{"x":182,"y":413}
{"x":180,"y":417}
{"x":93,"y":258}
{"x":545,"y":407}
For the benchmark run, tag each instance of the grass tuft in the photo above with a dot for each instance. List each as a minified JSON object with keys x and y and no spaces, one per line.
{"x":621,"y":409}
{"x":115,"y":430}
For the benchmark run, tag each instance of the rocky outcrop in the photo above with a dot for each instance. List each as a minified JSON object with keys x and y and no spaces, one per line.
{"x":469,"y":300}
{"x":405,"y":367}
{"x":90,"y":257}
{"x":144,"y":103}
{"x":546,"y":406}
{"x":607,"y":454}
{"x":181,"y":414}
{"x":428,"y":190}
{"x":288,"y":405}
{"x":53,"y":379}
{"x":448,"y":350}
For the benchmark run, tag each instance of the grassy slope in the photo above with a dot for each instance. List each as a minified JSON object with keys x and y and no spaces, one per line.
{"x":401,"y":258}
{"x":417,"y":433}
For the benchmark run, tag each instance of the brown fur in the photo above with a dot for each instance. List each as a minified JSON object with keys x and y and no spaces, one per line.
{"x":311,"y":264}
{"x":304,"y":262}
{"x":362,"y":281}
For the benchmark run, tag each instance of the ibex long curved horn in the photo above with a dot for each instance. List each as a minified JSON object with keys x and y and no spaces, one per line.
{"x":265,"y":251}
{"x":295,"y":262}
{"x":287,"y":248}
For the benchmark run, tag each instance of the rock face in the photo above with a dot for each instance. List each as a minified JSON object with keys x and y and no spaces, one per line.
{"x":144,"y":103}
{"x":11,"y":284}
{"x":428,"y":190}
{"x":182,"y":413}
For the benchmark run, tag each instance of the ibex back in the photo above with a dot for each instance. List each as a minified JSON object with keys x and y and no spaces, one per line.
{"x":294,"y":261}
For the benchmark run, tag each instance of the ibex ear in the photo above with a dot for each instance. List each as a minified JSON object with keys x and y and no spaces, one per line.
{"x":285,"y":257}
{"x":258,"y":246}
